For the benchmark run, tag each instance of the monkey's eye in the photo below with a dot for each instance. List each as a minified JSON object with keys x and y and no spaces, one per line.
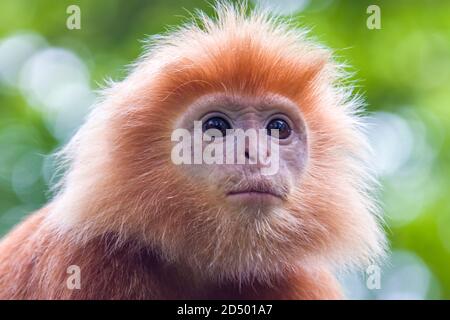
{"x":284,"y":130}
{"x":217,"y":123}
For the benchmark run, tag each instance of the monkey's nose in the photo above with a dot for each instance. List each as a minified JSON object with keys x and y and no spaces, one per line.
{"x":258,"y":153}
{"x":251,"y":158}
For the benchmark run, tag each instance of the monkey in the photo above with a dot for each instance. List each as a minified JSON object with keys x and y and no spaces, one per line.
{"x":138,"y":226}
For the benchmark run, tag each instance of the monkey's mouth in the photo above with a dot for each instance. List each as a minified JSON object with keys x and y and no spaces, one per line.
{"x":255,"y":195}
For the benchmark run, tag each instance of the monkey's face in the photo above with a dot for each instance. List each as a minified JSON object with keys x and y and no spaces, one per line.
{"x":233,"y":216}
{"x":246,"y":152}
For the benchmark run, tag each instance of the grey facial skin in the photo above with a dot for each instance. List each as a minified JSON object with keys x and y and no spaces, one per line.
{"x":244,"y":185}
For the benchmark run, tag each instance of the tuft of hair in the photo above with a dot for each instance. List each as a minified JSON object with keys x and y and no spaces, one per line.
{"x":120,"y":178}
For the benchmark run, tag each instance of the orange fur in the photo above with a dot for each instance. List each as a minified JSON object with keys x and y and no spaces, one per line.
{"x":139,"y":228}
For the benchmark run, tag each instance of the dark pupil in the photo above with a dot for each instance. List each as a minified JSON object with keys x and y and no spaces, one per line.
{"x":284,"y":130}
{"x":217,"y":123}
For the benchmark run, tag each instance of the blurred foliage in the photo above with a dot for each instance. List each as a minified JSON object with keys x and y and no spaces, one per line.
{"x":403,"y":70}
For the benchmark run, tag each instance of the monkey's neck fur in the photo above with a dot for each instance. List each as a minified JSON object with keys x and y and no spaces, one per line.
{"x":38,"y":262}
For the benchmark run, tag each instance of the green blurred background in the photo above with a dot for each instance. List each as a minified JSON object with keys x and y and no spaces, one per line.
{"x":49,"y":76}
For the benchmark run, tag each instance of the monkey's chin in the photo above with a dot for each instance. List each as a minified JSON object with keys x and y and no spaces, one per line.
{"x":254,"y":199}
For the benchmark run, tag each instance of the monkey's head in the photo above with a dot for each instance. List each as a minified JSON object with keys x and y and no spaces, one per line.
{"x":300,"y":196}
